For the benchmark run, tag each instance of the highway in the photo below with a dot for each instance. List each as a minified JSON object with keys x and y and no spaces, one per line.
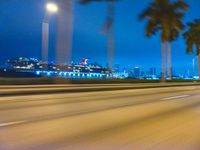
{"x":162,"y":118}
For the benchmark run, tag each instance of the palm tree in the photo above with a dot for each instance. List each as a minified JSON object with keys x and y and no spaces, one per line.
{"x":164,"y":16}
{"x":108,"y":27}
{"x":175,"y":27}
{"x":192,"y":39}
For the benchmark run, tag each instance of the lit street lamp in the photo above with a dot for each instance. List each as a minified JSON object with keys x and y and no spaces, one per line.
{"x":51,"y":8}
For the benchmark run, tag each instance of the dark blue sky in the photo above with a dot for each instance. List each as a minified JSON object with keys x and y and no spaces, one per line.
{"x":20,"y":33}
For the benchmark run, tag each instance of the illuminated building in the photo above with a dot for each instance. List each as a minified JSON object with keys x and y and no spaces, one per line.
{"x":137,"y":72}
{"x":81,"y":70}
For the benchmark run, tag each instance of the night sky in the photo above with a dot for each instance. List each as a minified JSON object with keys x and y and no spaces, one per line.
{"x":20,"y":34}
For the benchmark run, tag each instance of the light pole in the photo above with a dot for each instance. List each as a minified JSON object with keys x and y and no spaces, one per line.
{"x":51,"y":8}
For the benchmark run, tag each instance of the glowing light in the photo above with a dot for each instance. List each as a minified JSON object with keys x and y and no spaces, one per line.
{"x":52,"y":8}
{"x":48,"y":73}
{"x":38,"y":72}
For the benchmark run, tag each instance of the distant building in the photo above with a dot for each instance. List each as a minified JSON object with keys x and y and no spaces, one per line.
{"x":143,"y":74}
{"x":152,"y":71}
{"x":137,"y":72}
{"x":116,"y":68}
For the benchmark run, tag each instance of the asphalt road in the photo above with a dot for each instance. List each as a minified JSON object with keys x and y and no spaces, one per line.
{"x":138,"y":119}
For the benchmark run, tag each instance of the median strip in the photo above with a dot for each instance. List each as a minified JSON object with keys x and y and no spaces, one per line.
{"x":37,"y":91}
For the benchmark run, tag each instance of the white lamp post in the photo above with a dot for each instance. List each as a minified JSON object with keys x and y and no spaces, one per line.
{"x":51,"y":8}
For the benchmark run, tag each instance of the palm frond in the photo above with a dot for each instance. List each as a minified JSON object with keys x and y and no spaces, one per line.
{"x":192,"y":35}
{"x":165,"y":17}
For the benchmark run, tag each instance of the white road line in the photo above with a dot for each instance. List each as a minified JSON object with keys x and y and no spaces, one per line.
{"x":175,"y":97}
{"x":11,"y":123}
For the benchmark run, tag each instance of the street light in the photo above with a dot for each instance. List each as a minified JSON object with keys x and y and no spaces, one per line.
{"x":51,"y":8}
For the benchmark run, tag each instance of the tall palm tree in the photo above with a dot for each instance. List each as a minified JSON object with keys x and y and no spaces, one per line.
{"x":192,"y":39}
{"x":175,"y":27}
{"x":108,"y":27}
{"x":164,"y":17}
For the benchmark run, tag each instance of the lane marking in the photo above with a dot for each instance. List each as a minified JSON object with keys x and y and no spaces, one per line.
{"x":175,"y":97}
{"x":12,"y":123}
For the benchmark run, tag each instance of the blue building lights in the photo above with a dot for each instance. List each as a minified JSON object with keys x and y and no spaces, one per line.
{"x":81,"y":70}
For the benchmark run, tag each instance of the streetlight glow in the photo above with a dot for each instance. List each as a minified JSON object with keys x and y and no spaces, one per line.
{"x":52,"y":7}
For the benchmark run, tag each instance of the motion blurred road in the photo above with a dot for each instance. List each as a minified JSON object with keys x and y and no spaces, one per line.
{"x":162,"y":118}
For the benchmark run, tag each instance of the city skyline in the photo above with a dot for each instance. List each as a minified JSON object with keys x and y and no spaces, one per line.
{"x":22,"y":34}
{"x":83,"y":69}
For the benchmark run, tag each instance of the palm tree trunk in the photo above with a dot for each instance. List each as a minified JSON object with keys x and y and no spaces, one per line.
{"x":163,"y":66}
{"x":169,"y":60}
{"x":199,"y":65}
